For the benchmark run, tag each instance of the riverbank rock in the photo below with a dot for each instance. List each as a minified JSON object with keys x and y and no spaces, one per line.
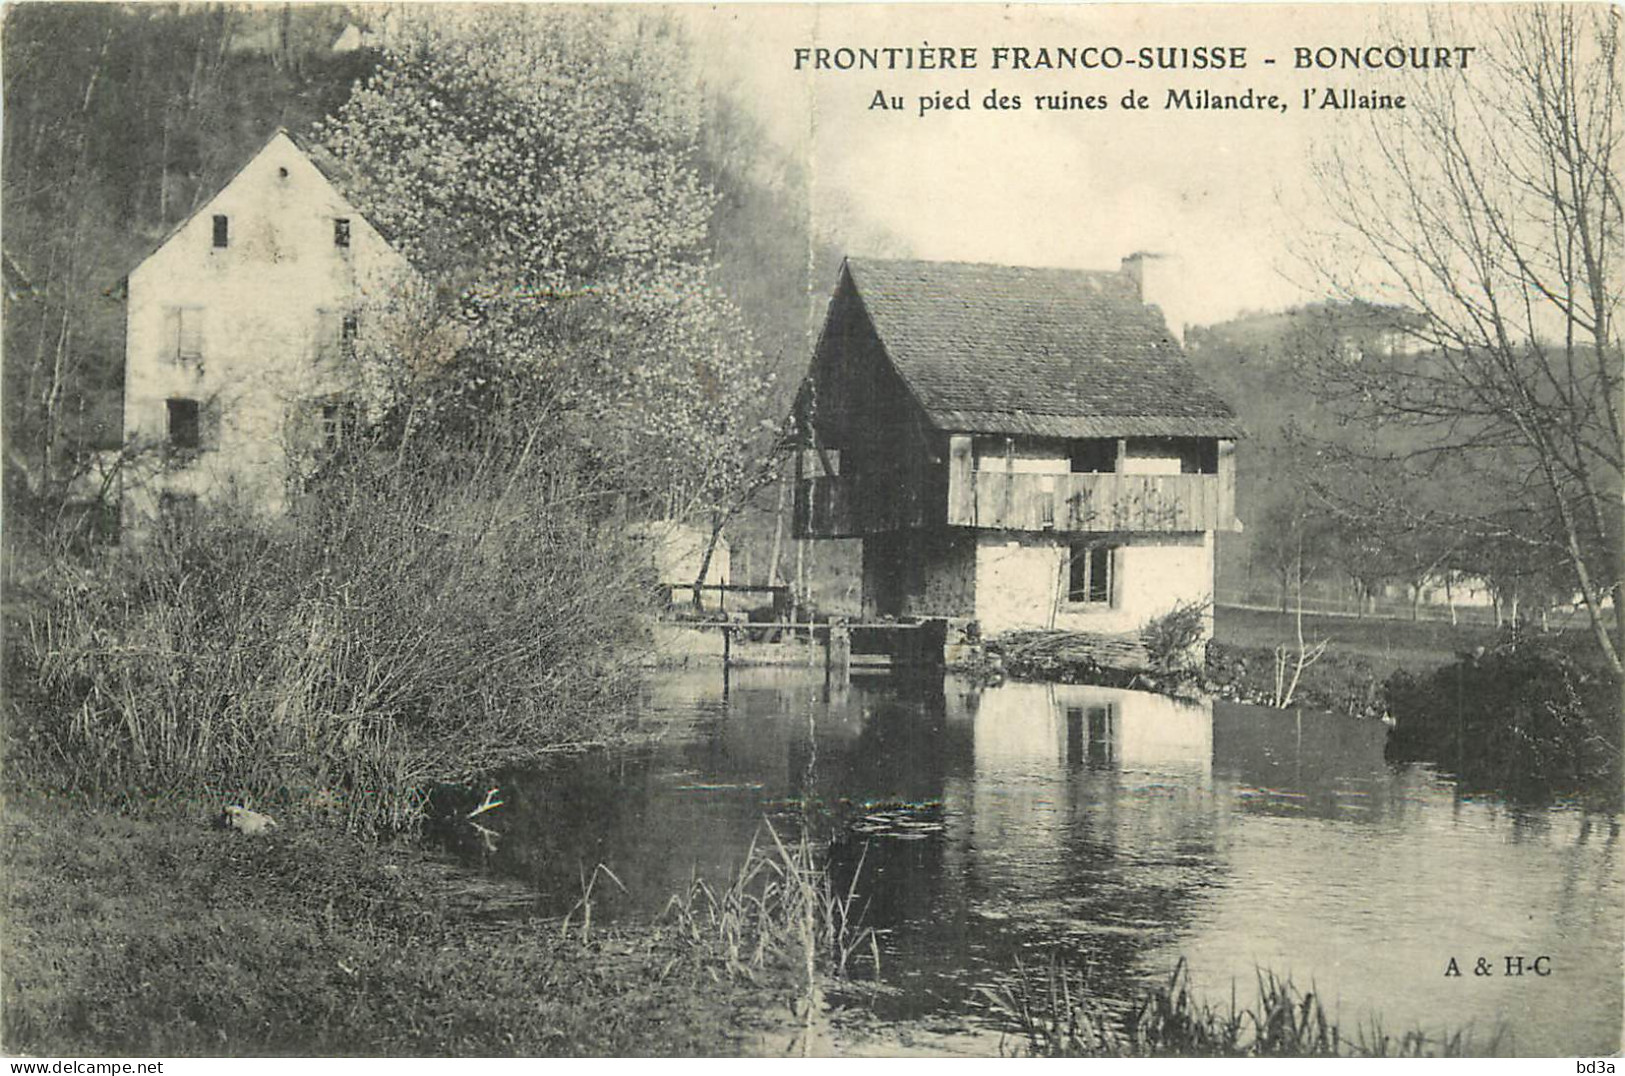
{"x":243,"y":820}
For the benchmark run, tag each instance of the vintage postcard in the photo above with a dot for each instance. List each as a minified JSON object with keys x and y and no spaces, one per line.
{"x":823,"y":530}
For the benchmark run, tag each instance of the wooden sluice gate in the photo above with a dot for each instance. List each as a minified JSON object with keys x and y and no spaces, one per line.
{"x":836,"y":645}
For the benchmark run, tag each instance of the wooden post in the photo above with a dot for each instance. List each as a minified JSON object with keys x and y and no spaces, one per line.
{"x":961,"y":481}
{"x":838,"y":651}
{"x":1009,"y":479}
{"x":1226,"y":516}
{"x":727,"y":645}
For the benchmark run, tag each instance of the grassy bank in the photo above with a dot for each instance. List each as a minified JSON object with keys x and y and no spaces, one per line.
{"x":158,"y":935}
{"x":1383,"y":645}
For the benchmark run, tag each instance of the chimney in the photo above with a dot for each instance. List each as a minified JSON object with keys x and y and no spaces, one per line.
{"x":1157,"y":280}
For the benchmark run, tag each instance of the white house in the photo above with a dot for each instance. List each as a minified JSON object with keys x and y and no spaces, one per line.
{"x":676,"y":550}
{"x":239,"y":329}
{"x":1025,"y":448}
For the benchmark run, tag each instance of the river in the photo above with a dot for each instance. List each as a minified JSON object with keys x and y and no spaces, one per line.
{"x":1119,"y":830}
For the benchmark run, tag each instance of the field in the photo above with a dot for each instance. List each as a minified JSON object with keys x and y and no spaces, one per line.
{"x":1385,"y":644}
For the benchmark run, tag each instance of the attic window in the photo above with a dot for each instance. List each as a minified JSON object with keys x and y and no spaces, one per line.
{"x":282,"y":173}
{"x":341,"y":232}
{"x":222,"y":230}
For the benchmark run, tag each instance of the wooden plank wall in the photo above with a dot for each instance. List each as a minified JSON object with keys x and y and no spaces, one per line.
{"x":1098,"y":502}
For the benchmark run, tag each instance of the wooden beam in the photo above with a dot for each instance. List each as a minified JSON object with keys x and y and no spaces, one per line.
{"x":961,"y":481}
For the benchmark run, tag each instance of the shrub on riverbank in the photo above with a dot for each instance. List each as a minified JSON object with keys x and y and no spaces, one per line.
{"x":1339,"y":682}
{"x":1522,"y":717}
{"x":399,"y":628}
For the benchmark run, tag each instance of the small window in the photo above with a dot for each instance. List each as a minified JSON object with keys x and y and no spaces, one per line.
{"x":222,"y":230}
{"x":1097,"y":455}
{"x":347,"y":333}
{"x":341,"y":231}
{"x":184,"y":430}
{"x":339,"y":420}
{"x":1090,"y":574}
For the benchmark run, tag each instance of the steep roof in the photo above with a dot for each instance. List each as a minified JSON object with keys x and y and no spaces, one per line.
{"x":1041,"y":352}
{"x":315,"y":154}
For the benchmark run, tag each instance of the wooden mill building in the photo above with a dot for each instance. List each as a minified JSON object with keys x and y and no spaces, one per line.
{"x":1021,"y":447}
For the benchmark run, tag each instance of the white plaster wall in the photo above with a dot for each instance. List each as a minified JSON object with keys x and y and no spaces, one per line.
{"x":1150,"y":464}
{"x":262,"y":298}
{"x":676,"y":551}
{"x":1021,"y":581}
{"x":1140,"y":457}
{"x":1024,"y":457}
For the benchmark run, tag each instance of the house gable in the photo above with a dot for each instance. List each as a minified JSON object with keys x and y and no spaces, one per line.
{"x":280,"y":210}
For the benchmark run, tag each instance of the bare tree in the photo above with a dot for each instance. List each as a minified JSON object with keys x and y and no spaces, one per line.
{"x":1491,"y":205}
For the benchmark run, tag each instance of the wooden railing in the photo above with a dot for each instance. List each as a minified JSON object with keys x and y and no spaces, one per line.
{"x":1092,"y":502}
{"x":832,"y":506}
{"x":1000,"y":500}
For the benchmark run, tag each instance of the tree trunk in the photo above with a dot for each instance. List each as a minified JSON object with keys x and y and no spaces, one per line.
{"x":717,"y":521}
{"x":800,"y":594}
{"x":778,"y":535}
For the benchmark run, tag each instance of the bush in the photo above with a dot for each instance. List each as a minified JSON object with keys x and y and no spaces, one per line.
{"x":1172,"y":640}
{"x":400,"y":627}
{"x":1521,"y":717}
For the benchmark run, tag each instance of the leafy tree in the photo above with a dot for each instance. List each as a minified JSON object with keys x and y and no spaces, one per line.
{"x":540,"y":167}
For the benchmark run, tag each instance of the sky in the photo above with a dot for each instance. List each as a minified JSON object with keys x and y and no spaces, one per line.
{"x":1228,"y":196}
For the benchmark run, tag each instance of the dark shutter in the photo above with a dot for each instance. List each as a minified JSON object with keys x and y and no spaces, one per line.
{"x":1077,"y":580}
{"x":1100,"y":575}
{"x":222,"y":229}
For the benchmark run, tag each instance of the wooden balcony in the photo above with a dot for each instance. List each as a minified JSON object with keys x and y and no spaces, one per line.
{"x":996,"y":500}
{"x":999,"y":500}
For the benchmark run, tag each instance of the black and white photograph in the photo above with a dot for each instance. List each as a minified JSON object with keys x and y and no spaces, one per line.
{"x":877,"y":530}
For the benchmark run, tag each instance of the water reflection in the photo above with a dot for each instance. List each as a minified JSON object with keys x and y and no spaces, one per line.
{"x":1117,"y":828}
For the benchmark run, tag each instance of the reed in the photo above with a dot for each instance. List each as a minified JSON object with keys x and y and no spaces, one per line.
{"x":1052,"y":1012}
{"x":779,"y":910}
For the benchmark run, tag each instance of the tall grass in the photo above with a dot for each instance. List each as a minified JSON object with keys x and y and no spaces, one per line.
{"x":1053,"y":1013}
{"x":780,"y":909}
{"x":402,"y":627}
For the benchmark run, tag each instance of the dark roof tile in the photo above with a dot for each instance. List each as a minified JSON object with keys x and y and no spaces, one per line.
{"x":1057,"y":352}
